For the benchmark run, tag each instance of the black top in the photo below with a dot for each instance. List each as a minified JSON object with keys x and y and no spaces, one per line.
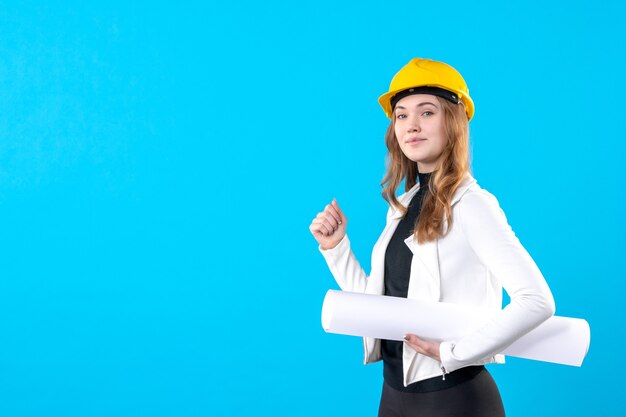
{"x":398,"y":255}
{"x":398,"y":258}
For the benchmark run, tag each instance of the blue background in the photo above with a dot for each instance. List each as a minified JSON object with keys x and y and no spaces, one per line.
{"x":160,"y":165}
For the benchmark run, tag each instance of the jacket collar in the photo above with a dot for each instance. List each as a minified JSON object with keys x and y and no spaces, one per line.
{"x":405,"y":198}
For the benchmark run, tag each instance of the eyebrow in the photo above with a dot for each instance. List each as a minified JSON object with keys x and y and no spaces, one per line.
{"x":421,"y":104}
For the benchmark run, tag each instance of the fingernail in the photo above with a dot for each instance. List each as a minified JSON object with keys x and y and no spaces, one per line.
{"x":406,"y":337}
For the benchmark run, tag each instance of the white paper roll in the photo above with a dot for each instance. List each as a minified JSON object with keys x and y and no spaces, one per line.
{"x":562,"y":340}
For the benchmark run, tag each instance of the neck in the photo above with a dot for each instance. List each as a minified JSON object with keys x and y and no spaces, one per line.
{"x":424,"y":177}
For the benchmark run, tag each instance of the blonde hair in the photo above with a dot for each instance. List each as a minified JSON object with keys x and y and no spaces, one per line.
{"x":451,"y":168}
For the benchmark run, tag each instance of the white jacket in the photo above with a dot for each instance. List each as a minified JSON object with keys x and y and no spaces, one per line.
{"x":470,"y":265}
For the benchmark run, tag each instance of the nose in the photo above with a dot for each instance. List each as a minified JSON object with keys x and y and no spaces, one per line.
{"x":414,"y":125}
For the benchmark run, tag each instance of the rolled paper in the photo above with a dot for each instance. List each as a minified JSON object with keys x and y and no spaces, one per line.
{"x":562,"y":340}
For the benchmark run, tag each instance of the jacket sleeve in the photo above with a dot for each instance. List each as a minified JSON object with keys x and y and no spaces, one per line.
{"x":345,"y":267}
{"x":485,"y":225}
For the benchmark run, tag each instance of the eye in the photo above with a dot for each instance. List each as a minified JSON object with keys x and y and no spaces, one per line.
{"x":428,"y":111}
{"x":400,"y":116}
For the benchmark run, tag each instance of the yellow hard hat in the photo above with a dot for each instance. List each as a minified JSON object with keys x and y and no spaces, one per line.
{"x":427,"y":76}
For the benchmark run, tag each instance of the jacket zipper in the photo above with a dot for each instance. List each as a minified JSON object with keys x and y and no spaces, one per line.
{"x":443,"y":372}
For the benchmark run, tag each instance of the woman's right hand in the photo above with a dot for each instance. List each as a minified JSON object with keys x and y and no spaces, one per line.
{"x":329,"y":227}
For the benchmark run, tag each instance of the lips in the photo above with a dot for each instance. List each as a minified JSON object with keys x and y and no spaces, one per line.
{"x":414,"y":140}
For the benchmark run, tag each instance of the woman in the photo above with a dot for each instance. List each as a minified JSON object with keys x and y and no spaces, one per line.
{"x":446,"y":239}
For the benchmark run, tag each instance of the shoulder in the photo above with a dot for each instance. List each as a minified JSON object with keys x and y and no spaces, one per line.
{"x":470,"y":191}
{"x":476,"y":196}
{"x":477,"y":206}
{"x":475,"y":191}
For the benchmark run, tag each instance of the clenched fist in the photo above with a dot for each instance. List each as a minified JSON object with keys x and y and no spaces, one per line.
{"x":329,"y":227}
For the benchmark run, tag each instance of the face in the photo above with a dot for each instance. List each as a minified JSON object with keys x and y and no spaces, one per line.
{"x":419,"y":129}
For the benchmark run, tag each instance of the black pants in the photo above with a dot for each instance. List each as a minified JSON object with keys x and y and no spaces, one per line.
{"x":478,"y":397}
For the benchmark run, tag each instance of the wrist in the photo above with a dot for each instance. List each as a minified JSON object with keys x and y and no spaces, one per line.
{"x":322,"y":247}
